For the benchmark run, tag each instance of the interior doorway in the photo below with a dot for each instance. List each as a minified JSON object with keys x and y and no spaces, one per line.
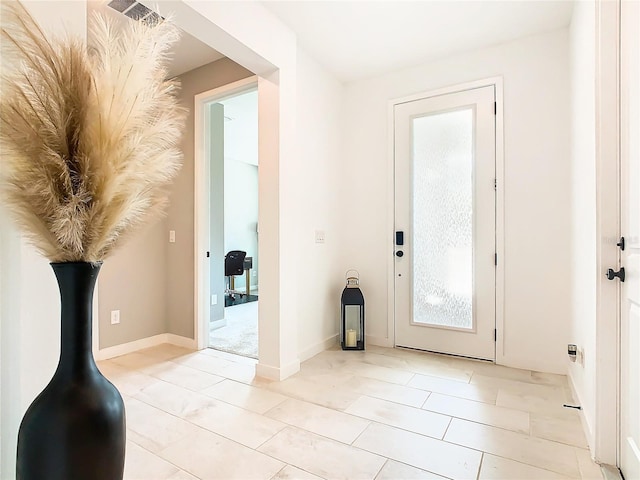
{"x":233,"y":205}
{"x":216,"y":199}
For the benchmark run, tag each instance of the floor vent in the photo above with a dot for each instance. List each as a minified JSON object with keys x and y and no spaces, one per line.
{"x":136,"y":11}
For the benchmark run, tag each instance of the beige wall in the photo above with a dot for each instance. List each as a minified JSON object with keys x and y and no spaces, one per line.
{"x":179,"y":274}
{"x":132,"y":281}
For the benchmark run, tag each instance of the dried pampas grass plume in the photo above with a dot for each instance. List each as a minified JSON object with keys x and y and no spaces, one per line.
{"x":88,"y":137}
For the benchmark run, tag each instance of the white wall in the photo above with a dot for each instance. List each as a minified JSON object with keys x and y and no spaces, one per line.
{"x":30,"y":335}
{"x":241,"y":213}
{"x":241,"y":127}
{"x":537,"y":194}
{"x":320,"y":274}
{"x":583,"y":206}
{"x":10,"y":328}
{"x":241,"y":179}
{"x":31,"y":325}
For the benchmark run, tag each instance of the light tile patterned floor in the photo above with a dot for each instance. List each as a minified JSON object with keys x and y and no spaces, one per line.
{"x":382,"y":413}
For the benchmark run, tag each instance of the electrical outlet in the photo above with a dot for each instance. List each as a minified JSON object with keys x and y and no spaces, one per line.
{"x":172,"y":236}
{"x":115,"y":317}
{"x":319,"y":236}
{"x":214,"y":299}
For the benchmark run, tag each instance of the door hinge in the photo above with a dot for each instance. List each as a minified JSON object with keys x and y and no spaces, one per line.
{"x":495,"y":334}
{"x":495,"y":259}
{"x":495,"y":108}
{"x":495,"y":184}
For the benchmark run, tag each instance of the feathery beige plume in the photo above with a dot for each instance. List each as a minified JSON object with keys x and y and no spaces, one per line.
{"x":89,"y":138}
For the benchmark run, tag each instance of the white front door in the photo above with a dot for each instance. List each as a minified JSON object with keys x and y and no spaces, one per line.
{"x":630,"y":226}
{"x":445,"y":219}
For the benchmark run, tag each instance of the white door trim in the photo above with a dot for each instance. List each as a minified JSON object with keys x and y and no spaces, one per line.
{"x":201,"y":218}
{"x":605,"y":448}
{"x":497,"y":82}
{"x":629,"y":414}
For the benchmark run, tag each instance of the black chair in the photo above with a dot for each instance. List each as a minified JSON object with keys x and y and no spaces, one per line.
{"x":233,"y":265}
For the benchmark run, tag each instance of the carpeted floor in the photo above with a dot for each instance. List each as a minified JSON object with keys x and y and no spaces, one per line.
{"x":240,"y":335}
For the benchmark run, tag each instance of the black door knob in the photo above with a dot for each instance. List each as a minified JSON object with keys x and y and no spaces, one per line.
{"x":399,"y":253}
{"x":611,"y":274}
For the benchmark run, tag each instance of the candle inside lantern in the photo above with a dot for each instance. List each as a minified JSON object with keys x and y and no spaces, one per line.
{"x":351,"y":338}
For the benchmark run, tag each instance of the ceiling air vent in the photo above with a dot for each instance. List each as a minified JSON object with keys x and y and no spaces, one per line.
{"x":135,"y":10}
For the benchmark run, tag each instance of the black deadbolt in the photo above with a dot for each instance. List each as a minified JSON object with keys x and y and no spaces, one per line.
{"x":611,"y":274}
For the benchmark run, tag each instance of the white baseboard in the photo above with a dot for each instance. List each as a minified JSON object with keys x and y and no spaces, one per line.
{"x":277,"y":373}
{"x":217,"y":324}
{"x":609,"y":472}
{"x":313,"y":350}
{"x":378,"y":341}
{"x":583,"y":419}
{"x":130,"y":347}
{"x":180,"y":341}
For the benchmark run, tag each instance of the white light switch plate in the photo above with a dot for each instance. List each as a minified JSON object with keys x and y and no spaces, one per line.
{"x":172,"y":236}
{"x":115,"y":317}
{"x":214,"y":299}
{"x":319,"y":236}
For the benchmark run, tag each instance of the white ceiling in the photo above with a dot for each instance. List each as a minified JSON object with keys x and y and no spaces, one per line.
{"x":187,"y":54}
{"x":190,"y":53}
{"x":359,"y":39}
{"x":365,"y":38}
{"x":241,"y":127}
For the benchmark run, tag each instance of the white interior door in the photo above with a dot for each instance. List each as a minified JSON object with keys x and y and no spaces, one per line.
{"x":445,"y":223}
{"x":630,"y":225}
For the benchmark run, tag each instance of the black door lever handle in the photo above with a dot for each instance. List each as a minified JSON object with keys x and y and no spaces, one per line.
{"x":611,"y":274}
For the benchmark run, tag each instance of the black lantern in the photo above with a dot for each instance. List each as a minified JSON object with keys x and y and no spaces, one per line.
{"x":352,"y":327}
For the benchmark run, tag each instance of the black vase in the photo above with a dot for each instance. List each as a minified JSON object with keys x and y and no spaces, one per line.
{"x":75,"y":428}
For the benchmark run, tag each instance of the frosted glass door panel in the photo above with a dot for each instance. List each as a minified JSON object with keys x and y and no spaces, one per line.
{"x":442,"y":218}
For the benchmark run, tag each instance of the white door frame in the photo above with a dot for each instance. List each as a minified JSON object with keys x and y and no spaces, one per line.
{"x":201,"y":203}
{"x":605,"y":448}
{"x":497,"y":83}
